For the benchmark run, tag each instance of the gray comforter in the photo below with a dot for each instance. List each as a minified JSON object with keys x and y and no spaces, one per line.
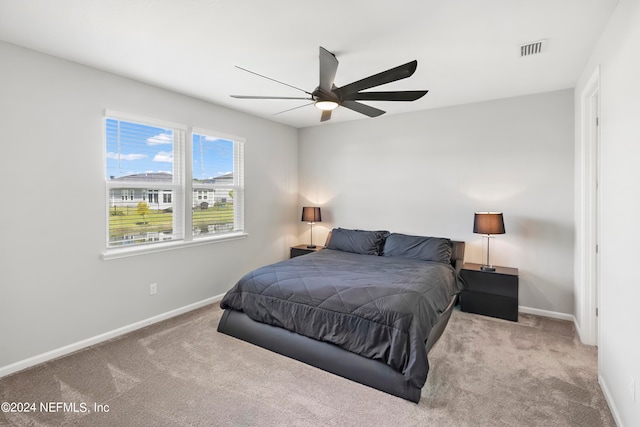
{"x":378,"y":307}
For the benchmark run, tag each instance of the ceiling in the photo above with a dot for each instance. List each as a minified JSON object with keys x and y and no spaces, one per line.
{"x":467,"y":50}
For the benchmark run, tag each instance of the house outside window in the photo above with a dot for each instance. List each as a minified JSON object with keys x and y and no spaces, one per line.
{"x":151,"y":201}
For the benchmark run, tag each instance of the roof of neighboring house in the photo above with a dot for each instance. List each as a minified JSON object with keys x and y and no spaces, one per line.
{"x":165,"y":177}
{"x":147,"y":176}
{"x":225,"y":176}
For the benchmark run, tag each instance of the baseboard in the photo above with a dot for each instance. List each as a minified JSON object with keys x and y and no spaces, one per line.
{"x":547,"y":313}
{"x":609,"y":399}
{"x":53,"y":354}
{"x":587,"y":339}
{"x":576,"y":325}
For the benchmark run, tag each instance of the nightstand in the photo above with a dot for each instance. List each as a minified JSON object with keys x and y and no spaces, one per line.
{"x":491,"y":293}
{"x":302,"y":250}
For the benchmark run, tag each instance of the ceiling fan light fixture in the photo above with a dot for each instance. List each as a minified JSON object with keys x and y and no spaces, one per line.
{"x":326,"y":105}
{"x":327,"y":96}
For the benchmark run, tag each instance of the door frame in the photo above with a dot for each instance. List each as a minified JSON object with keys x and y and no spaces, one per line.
{"x":587,"y":217}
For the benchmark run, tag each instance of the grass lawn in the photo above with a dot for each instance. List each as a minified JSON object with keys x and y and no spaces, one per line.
{"x":128,"y":222}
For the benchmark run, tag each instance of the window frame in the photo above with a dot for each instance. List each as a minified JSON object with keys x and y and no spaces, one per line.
{"x":181,"y":188}
{"x":237,"y":185}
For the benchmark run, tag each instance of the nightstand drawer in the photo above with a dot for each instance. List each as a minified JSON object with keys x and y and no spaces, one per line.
{"x":491,"y":283}
{"x":489,"y":305}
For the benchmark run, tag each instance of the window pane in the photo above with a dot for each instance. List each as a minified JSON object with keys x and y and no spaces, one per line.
{"x":214,"y":185}
{"x":138,"y":152}
{"x":212,"y":158}
{"x":139,"y":215}
{"x":215,"y":214}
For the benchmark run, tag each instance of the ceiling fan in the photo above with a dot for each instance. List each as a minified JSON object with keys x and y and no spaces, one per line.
{"x":328,"y":97}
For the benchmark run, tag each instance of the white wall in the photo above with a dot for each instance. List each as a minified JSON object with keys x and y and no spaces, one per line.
{"x":428,"y":172}
{"x":616,"y":53}
{"x":55,"y":289}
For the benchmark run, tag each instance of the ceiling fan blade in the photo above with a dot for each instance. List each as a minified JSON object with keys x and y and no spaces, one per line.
{"x":291,"y":109}
{"x":273,"y":80}
{"x":362,"y":108}
{"x":407,"y":95}
{"x":268,"y":97}
{"x":398,"y":73}
{"x":326,"y":115}
{"x":328,"y":67}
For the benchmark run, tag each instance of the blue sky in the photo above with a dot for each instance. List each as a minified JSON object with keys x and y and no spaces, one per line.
{"x":211,"y":154}
{"x":141,"y":148}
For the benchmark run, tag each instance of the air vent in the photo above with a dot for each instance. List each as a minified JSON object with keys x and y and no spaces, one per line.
{"x":532,"y":48}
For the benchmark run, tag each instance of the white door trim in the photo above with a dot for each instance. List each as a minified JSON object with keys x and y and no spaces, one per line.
{"x":587,"y":214}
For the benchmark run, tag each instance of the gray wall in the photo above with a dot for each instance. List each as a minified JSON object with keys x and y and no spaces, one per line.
{"x":619,"y":344}
{"x":428,"y":172}
{"x":55,"y":290}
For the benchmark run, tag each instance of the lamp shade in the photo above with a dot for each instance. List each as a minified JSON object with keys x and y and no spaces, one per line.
{"x":311,"y":214}
{"x":488,"y":223}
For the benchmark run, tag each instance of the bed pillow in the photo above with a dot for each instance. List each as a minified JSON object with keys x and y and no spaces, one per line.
{"x":357,"y":241}
{"x":436,"y":249}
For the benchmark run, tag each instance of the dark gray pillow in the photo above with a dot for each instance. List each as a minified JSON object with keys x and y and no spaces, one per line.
{"x":357,"y":241}
{"x":418,"y":247}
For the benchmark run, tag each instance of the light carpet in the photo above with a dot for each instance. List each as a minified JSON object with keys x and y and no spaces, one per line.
{"x":182,"y":372}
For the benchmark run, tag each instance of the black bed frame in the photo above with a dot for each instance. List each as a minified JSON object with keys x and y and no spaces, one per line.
{"x":330,"y":357}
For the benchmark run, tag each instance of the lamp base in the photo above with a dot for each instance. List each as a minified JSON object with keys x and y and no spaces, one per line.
{"x":311,"y":246}
{"x":487,"y":268}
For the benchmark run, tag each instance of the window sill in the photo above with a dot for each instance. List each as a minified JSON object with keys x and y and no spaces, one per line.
{"x":110,"y":254}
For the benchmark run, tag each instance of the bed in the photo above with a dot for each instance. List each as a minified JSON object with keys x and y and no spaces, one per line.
{"x":368,"y":307}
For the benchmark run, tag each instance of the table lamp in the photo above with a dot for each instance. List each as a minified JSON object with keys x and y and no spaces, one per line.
{"x":311,"y":215}
{"x":488,"y":223}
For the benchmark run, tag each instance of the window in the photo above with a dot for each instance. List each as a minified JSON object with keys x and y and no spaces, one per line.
{"x":217,"y":183}
{"x":127,"y":195}
{"x":151,"y":199}
{"x":142,"y":162}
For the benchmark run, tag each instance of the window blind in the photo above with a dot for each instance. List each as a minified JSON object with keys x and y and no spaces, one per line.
{"x":217,"y":184}
{"x":150,"y":192}
{"x":143,"y":167}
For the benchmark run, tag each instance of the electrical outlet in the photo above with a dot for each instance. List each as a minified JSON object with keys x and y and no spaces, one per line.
{"x":153,"y":289}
